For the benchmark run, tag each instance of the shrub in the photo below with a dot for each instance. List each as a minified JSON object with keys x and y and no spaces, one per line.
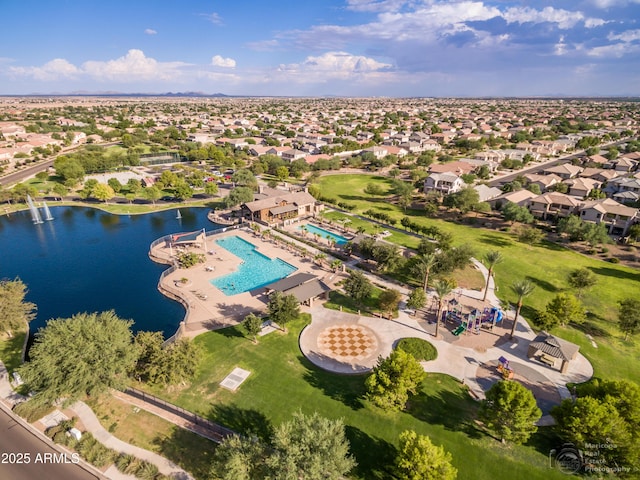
{"x":422,"y":350}
{"x":123,"y":461}
{"x":32,"y":410}
{"x":146,"y":471}
{"x":613,"y":260}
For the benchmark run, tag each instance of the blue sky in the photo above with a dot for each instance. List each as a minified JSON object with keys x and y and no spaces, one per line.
{"x":322,"y":47}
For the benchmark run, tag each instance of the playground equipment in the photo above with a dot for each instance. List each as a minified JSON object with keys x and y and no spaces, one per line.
{"x":504,"y":369}
{"x":472,"y":321}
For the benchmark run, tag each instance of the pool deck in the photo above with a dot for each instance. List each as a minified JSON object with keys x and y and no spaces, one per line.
{"x":207,"y":307}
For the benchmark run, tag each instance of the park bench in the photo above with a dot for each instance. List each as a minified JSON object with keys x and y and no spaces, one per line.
{"x":548,"y":360}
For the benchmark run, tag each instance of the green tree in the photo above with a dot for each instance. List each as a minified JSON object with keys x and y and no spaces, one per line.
{"x":634,"y":232}
{"x":245,"y":178}
{"x":115,"y":184}
{"x":596,"y":234}
{"x":282,"y":173}
{"x":565,"y":308}
{"x":628,"y":316}
{"x":357,"y":286}
{"x":522,"y":289}
{"x":512,"y":212}
{"x":422,"y":266}
{"x":182,"y":190}
{"x":149,"y":345}
{"x":239,"y":458}
{"x":510,"y":411}
{"x":283,"y":308}
{"x":86,"y":354}
{"x":581,"y":279}
{"x":168,"y":178}
{"x":253,"y":325}
{"x":572,"y":226}
{"x":15,"y":311}
{"x":387,"y":256}
{"x":492,"y":258}
{"x":388,"y":301}
{"x":237,"y":196}
{"x":374,"y":189}
{"x":152,"y":193}
{"x":417,"y":299}
{"x":419,"y":459}
{"x":443,"y":287}
{"x":310,"y":447}
{"x":393,"y":379}
{"x":465,"y":200}
{"x":529,"y":235}
{"x":103,"y":192}
{"x":211,"y":188}
{"x":69,"y":169}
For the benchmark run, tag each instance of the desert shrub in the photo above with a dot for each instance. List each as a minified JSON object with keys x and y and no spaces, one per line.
{"x":613,"y":260}
{"x":421,"y":349}
{"x":146,"y":471}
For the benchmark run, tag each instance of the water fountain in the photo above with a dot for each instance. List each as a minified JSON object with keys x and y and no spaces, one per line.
{"x":35,"y":213}
{"x":179,"y":215}
{"x":47,"y":212}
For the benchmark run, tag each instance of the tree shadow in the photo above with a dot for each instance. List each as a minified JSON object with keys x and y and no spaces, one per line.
{"x":347,"y":389}
{"x":454,"y":411}
{"x":556,"y":247}
{"x":375,"y":456}
{"x":230,"y":332}
{"x":244,"y":421}
{"x":495,"y":240}
{"x":544,"y":440}
{"x":179,"y":448}
{"x":543,"y":284}
{"x":590,"y":327}
{"x":617,"y":273}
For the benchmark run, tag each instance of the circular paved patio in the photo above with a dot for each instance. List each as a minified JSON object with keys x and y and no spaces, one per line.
{"x":341,"y":344}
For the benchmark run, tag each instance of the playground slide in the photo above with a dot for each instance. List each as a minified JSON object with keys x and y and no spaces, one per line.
{"x":499,"y":317}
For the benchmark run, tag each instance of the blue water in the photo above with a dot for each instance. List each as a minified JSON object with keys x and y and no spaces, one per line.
{"x":340,"y":240}
{"x":255,"y":271}
{"x":86,"y":260}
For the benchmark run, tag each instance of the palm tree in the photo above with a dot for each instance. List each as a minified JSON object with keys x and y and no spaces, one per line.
{"x":422,"y":267}
{"x":319,"y":258}
{"x":521,"y":288}
{"x":443,"y":288}
{"x":492,"y":258}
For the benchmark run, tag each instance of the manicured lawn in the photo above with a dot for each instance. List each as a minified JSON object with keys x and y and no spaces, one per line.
{"x":546,"y":265}
{"x":143,"y":429}
{"x":282,"y":382}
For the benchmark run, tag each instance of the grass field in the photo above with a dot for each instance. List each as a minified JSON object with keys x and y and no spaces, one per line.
{"x":546,"y":265}
{"x":282,"y":382}
{"x":143,"y":429}
{"x":11,"y":350}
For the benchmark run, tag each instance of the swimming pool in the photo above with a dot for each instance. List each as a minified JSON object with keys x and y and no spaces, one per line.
{"x":255,"y":271}
{"x":340,"y":240}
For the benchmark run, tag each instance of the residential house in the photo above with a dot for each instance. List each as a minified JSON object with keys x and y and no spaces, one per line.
{"x":617,"y":217}
{"x":292,"y":154}
{"x":459,"y":168}
{"x":444,"y":183}
{"x":543,"y":181}
{"x":553,"y":204}
{"x":486,"y":193}
{"x":564,"y":171}
{"x":281,"y":207}
{"x":582,"y":187}
{"x":519,"y":197}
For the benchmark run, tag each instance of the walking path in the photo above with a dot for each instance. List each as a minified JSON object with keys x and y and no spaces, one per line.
{"x":91,"y":423}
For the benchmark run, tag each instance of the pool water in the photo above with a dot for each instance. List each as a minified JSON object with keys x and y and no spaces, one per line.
{"x":255,"y":271}
{"x":312,"y":229}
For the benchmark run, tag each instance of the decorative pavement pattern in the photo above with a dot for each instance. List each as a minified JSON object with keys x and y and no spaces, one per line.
{"x":351,"y":342}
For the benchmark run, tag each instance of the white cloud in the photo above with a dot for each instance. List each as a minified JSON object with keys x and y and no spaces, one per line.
{"x":594,"y":22}
{"x":628,"y":36}
{"x":615,"y":50}
{"x":150,"y":31}
{"x":214,"y":18}
{"x":375,"y":6}
{"x":613,"y":3}
{"x":132,"y":67}
{"x":560,"y":48}
{"x":218,"y":61}
{"x":264,"y":45}
{"x":333,"y":65}
{"x":563,"y":18}
{"x":55,"y":69}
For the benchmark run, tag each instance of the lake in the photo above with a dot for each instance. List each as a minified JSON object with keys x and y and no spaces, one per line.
{"x":87,"y":260}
